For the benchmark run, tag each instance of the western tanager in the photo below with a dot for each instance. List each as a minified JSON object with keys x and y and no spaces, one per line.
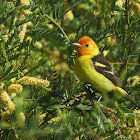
{"x":91,"y":67}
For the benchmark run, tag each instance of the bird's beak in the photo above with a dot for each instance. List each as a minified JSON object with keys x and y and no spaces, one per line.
{"x":76,"y":44}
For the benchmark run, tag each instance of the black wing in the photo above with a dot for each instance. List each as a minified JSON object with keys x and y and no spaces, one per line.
{"x":106,"y":70}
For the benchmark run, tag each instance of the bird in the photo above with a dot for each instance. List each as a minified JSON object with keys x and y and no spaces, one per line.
{"x":91,"y":67}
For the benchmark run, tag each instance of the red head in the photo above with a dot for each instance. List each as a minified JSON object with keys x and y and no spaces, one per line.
{"x":86,"y":46}
{"x":84,"y":40}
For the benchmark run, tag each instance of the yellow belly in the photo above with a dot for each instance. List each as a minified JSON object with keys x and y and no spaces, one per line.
{"x":84,"y":69}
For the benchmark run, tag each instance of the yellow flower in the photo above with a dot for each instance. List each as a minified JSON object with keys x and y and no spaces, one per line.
{"x":1,"y":87}
{"x":24,"y":2}
{"x":13,"y":80}
{"x":120,"y":4}
{"x":5,"y":38}
{"x":22,"y":33}
{"x":34,"y":81}
{"x":28,"y":39}
{"x":42,"y":116}
{"x":21,"y":114}
{"x":38,"y":45}
{"x":15,"y":88}
{"x":25,"y":71}
{"x":136,"y":111}
{"x":5,"y":115}
{"x":135,"y":79}
{"x":6,"y":101}
{"x":20,"y":120}
{"x":2,"y":26}
{"x":23,"y":13}
{"x":69,"y":15}
{"x":136,"y":7}
{"x":53,"y":120}
{"x":115,"y":13}
{"x":10,"y":106}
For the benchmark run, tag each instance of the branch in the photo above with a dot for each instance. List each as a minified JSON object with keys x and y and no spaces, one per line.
{"x":55,"y":24}
{"x":119,"y":63}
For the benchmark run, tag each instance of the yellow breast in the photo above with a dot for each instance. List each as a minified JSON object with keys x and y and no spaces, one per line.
{"x":82,"y":65}
{"x":85,"y":71}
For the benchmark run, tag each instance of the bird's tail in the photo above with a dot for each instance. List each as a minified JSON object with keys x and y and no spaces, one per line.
{"x":125,"y":94}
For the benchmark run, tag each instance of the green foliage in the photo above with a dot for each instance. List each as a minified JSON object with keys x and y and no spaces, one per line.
{"x":71,"y":110}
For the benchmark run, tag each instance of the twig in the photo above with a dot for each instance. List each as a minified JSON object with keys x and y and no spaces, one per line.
{"x":114,"y":122}
{"x":126,"y":11}
{"x":40,"y":124}
{"x":119,"y":63}
{"x":114,"y":34}
{"x":127,"y":20}
{"x":31,"y":99}
{"x":128,"y":128}
{"x":56,"y":25}
{"x":107,"y":110}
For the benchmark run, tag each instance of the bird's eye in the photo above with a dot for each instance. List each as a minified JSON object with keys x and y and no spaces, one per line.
{"x":86,"y":45}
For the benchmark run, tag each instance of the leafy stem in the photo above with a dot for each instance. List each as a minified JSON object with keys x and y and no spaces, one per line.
{"x":56,"y":24}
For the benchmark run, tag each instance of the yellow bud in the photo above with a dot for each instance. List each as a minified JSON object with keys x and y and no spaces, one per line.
{"x":102,"y":23}
{"x":136,"y":111}
{"x":11,"y":106}
{"x":50,"y":26}
{"x":25,"y":71}
{"x":22,"y":116}
{"x":20,"y":119}
{"x":38,"y":45}
{"x":34,"y":81}
{"x":28,"y":39}
{"x":108,"y":41}
{"x":128,"y":80}
{"x":42,"y":116}
{"x":120,"y":4}
{"x":69,"y":15}
{"x":53,"y":120}
{"x":22,"y":33}
{"x":1,"y":87}
{"x":5,"y":116}
{"x":5,"y":38}
{"x":1,"y":26}
{"x":135,"y":79}
{"x":136,"y":7}
{"x":24,"y":12}
{"x":30,"y":24}
{"x":24,"y":2}
{"x":13,"y":80}
{"x":15,"y":88}
{"x":6,"y":101}
{"x":105,"y":52}
{"x":5,"y":124}
{"x":115,"y":13}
